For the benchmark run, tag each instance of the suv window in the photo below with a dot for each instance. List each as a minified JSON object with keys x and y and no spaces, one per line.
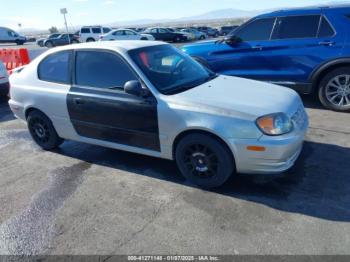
{"x":106,"y":30}
{"x":257,"y":30}
{"x":296,"y":27}
{"x":101,"y":69}
{"x":96,"y":30}
{"x":326,"y":29}
{"x":85,"y":30}
{"x":55,"y":68}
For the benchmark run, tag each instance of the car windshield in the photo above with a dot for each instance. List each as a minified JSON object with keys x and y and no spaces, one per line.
{"x":169,"y":70}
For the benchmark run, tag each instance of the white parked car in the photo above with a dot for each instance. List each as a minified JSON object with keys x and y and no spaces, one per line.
{"x":149,"y":98}
{"x":125,"y":34}
{"x":7,"y":35}
{"x":4,"y":80}
{"x":92,"y":33}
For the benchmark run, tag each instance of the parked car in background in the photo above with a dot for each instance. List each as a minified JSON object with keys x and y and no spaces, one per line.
{"x":7,"y":35}
{"x":197,"y":34}
{"x":4,"y":80}
{"x":190,"y":36}
{"x":212,"y":32}
{"x":41,"y":41}
{"x":149,"y":98}
{"x":163,"y":34}
{"x":305,"y":49}
{"x":125,"y":34}
{"x":92,"y":33}
{"x":227,"y":29}
{"x":62,"y":39}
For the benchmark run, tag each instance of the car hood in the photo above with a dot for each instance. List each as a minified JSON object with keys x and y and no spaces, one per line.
{"x":239,"y":97}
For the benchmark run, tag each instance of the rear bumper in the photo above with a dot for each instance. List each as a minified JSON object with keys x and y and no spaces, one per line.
{"x":4,"y":89}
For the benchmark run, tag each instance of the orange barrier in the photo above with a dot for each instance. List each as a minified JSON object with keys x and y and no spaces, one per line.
{"x":13,"y":58}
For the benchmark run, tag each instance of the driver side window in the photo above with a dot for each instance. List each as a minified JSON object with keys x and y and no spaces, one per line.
{"x":102,"y":69}
{"x":257,"y":30}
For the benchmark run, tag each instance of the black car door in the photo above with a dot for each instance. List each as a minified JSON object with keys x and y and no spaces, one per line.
{"x":100,"y":109}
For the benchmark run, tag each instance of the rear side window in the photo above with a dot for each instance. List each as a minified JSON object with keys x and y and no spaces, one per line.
{"x":102,"y":70}
{"x":85,"y":30}
{"x":96,"y":30}
{"x":55,"y":68}
{"x":296,"y":27}
{"x":326,"y":29}
{"x":257,"y":30}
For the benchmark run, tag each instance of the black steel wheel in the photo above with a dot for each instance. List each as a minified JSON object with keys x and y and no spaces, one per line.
{"x":42,"y":131}
{"x":204,"y":160}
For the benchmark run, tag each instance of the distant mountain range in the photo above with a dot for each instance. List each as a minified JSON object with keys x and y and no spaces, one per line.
{"x":213,"y":15}
{"x":229,"y":13}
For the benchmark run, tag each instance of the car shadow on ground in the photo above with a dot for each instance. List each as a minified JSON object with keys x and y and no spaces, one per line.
{"x":318,"y":185}
{"x":5,"y":111}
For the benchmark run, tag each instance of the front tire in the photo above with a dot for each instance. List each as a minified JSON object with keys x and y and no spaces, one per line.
{"x":334,"y":90}
{"x":204,"y":160}
{"x":89,"y":40}
{"x":42,"y":131}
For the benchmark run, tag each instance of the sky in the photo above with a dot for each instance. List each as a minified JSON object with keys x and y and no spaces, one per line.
{"x":42,"y":14}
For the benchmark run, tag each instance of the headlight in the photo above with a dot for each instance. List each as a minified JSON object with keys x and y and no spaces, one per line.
{"x":275,"y":124}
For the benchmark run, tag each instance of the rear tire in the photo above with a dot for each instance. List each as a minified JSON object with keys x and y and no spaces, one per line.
{"x":42,"y":131}
{"x":204,"y":160}
{"x":334,"y":90}
{"x":19,"y":42}
{"x":49,"y":44}
{"x":89,"y":40}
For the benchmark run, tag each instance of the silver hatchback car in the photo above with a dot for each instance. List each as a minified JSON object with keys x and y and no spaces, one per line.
{"x":150,"y":98}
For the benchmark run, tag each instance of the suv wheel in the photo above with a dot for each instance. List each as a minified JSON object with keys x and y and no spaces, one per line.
{"x":334,"y":90}
{"x":19,"y":42}
{"x":204,"y":160}
{"x":42,"y":131}
{"x":202,"y":37}
{"x":49,"y":44}
{"x":90,"y":40}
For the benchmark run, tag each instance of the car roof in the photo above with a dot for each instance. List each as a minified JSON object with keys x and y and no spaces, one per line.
{"x":308,"y":10}
{"x":124,"y":45}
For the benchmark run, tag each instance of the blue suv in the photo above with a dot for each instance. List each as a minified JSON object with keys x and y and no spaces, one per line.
{"x":305,"y":49}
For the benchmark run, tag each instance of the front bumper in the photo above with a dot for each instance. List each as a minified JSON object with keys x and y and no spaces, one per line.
{"x":4,"y":89}
{"x":280,"y":154}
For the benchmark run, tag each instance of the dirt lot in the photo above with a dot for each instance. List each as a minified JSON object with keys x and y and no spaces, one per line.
{"x":84,"y":199}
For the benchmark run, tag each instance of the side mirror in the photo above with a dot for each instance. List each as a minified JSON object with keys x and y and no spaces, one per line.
{"x":133,"y":87}
{"x":233,"y":40}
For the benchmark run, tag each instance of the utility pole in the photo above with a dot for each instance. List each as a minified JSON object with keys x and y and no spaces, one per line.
{"x":64,"y":12}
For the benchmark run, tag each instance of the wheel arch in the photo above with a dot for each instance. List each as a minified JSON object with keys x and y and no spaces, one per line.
{"x":324,"y":69}
{"x":32,"y":109}
{"x":187,"y":132}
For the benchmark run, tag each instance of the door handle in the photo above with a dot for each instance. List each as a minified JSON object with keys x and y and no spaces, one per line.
{"x":79,"y":101}
{"x":257,"y":47}
{"x":326,"y":43}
